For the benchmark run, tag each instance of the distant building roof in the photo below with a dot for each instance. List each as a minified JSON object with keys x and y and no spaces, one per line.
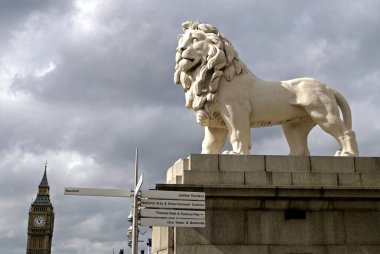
{"x":44,"y":181}
{"x":42,"y":200}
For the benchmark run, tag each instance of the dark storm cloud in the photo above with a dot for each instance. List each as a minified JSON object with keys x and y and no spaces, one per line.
{"x":14,"y":12}
{"x":83,"y":83}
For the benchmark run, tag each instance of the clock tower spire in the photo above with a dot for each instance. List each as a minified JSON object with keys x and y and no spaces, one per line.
{"x":43,"y":188}
{"x":41,"y":220}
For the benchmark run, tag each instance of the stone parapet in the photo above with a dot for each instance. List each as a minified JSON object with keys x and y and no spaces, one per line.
{"x":264,"y":170}
{"x":277,"y":205}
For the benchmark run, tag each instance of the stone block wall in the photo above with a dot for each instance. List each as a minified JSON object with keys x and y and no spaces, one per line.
{"x":265,"y":170}
{"x":277,"y":205}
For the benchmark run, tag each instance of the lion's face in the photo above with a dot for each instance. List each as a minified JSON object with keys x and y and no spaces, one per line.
{"x":203,"y":58}
{"x":192,"y":50}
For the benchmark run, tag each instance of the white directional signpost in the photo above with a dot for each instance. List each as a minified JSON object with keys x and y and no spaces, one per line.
{"x":98,"y":192}
{"x":167,"y":222}
{"x":172,"y":208}
{"x":182,"y":195}
{"x":182,"y":214}
{"x":117,"y":193}
{"x":158,"y":208}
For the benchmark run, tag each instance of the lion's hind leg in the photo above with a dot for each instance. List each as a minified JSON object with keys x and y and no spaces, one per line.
{"x":349,"y":144}
{"x":296,"y":133}
{"x":326,"y":115}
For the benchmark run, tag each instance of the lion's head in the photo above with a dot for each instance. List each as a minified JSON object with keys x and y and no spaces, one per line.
{"x":203,"y":57}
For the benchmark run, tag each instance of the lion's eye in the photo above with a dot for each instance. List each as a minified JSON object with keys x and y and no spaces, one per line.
{"x":195,"y":40}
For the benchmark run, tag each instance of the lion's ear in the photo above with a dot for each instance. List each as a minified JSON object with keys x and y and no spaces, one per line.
{"x":215,"y":39}
{"x":207,"y":28}
{"x":179,"y":37}
{"x":186,"y":25}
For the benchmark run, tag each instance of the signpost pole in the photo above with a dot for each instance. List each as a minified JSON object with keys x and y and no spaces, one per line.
{"x":136,"y":167}
{"x":161,"y":208}
{"x":135,"y":232}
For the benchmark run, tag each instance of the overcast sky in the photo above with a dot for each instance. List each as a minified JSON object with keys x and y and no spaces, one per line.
{"x":83,"y":83}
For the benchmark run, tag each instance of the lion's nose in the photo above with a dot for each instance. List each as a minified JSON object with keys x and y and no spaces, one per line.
{"x":183,"y":48}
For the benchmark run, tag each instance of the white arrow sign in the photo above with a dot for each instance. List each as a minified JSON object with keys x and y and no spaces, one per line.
{"x":174,"y":214}
{"x":97,"y":192}
{"x":183,"y":195}
{"x":180,"y":204}
{"x":187,"y":223}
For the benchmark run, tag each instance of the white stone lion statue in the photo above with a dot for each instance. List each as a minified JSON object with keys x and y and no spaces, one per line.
{"x":228,"y":99}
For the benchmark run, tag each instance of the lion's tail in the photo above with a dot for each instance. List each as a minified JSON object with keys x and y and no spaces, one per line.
{"x":345,"y":108}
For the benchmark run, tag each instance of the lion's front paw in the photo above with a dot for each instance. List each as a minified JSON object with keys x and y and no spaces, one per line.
{"x":345,"y":153}
{"x":348,"y":154}
{"x":229,"y":152}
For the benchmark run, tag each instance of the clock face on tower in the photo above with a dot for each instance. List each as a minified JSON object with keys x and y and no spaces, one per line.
{"x":39,"y":221}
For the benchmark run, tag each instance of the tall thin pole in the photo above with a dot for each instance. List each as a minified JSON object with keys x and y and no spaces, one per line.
{"x":136,"y":166}
{"x":135,"y":233}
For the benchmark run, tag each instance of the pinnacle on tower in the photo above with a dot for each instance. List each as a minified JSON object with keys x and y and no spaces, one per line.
{"x":44,"y":181}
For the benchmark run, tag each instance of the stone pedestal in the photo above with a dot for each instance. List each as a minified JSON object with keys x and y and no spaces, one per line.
{"x":277,"y":205}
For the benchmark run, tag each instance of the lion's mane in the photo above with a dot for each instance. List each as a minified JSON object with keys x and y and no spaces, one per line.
{"x":222,"y":61}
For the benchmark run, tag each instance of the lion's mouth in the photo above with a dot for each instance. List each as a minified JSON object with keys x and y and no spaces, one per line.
{"x":188,"y":64}
{"x":189,"y":59}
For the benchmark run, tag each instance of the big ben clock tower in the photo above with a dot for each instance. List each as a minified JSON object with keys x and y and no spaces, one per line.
{"x":41,"y":221}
